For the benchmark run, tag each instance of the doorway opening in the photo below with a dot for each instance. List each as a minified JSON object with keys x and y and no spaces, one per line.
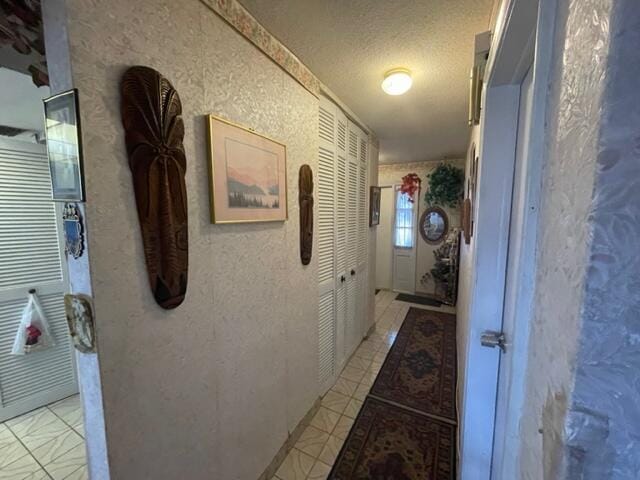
{"x":502,"y":257}
{"x":41,"y":417}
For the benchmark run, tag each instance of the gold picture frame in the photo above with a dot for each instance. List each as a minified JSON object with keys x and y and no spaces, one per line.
{"x":247,"y":174}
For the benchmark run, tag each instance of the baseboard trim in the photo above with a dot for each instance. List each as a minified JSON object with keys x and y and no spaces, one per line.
{"x":290,"y":442}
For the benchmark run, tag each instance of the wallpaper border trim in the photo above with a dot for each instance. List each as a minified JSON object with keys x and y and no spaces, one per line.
{"x":246,"y":25}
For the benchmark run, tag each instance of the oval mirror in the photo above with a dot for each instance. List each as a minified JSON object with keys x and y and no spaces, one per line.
{"x":434,"y":225}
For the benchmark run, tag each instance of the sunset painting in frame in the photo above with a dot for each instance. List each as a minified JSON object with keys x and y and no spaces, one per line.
{"x":247,"y":173}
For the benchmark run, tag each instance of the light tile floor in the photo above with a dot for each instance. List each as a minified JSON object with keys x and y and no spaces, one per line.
{"x":319,"y":445}
{"x":47,"y":443}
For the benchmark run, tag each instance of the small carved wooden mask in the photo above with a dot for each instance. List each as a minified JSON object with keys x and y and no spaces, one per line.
{"x":305,"y":199}
{"x":154,"y":132}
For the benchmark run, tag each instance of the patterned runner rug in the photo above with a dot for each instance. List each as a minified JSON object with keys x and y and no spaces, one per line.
{"x":420,"y":369}
{"x":406,"y":428}
{"x":388,"y":442}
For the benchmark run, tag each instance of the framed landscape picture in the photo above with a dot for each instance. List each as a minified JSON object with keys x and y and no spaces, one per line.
{"x":62,"y":128}
{"x":247,"y":175}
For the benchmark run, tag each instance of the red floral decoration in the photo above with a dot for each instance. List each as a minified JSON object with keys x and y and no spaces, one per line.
{"x":33,"y":333}
{"x":410,"y":185}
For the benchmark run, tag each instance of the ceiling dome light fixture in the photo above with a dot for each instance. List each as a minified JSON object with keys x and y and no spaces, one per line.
{"x":397,"y":81}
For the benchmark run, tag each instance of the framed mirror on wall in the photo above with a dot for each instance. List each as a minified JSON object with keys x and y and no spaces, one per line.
{"x":434,"y":225}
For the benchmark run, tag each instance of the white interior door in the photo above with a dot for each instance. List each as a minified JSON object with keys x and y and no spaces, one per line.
{"x":509,"y":399}
{"x":326,"y":205}
{"x":352,"y":334}
{"x":384,"y":240}
{"x":362,"y":279}
{"x":341,"y":240}
{"x":404,"y":243}
{"x":31,"y":258}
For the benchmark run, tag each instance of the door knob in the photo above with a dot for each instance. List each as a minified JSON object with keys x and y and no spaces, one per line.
{"x":353,"y":272}
{"x":342,"y":279}
{"x":493,"y":340}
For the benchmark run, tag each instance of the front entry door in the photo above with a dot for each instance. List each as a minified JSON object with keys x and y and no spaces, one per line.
{"x":404,"y":243}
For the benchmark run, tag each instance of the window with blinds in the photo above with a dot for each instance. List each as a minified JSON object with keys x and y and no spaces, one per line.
{"x":403,"y":229}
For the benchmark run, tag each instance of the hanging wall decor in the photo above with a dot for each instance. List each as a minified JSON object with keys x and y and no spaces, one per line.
{"x":375,"y":194}
{"x":80,"y":322}
{"x":64,"y":147}
{"x":73,"y":230}
{"x":466,"y":221}
{"x":305,"y":199}
{"x":154,"y":132}
{"x":34,"y":333}
{"x":446,"y":186}
{"x":247,"y":174}
{"x":410,"y":185}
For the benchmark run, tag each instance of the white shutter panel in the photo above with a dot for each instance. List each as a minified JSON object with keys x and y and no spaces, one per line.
{"x":352,"y":337}
{"x":362,"y":205}
{"x":30,"y":257}
{"x":28,"y":235}
{"x":326,"y":244}
{"x":363,"y":230}
{"x":341,"y":239}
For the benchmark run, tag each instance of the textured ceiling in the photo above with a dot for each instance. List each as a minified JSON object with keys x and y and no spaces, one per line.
{"x":349,"y":44}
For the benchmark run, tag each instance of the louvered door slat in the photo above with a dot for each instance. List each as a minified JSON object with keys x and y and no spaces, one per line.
{"x":30,"y":257}
{"x":326,"y":338}
{"x":325,"y":215}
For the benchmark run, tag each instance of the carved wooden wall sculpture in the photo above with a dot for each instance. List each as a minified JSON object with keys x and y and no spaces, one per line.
{"x":154,"y":131}
{"x":305,"y":199}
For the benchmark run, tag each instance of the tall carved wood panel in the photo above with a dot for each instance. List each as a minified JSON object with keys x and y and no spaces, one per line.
{"x":154,"y":132}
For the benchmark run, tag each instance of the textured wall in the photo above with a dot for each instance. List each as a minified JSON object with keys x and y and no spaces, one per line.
{"x":54,"y":18}
{"x":392,"y":174}
{"x":210,"y":389}
{"x":603,"y":428}
{"x":574,"y":119}
{"x":465,"y":274}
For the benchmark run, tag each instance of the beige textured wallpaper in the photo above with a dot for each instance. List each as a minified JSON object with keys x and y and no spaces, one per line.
{"x":211,"y":389}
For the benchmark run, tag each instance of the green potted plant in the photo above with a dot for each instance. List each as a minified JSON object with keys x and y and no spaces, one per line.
{"x":446,"y":186}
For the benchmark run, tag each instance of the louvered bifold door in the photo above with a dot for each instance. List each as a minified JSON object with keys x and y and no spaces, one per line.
{"x":30,"y":257}
{"x":326,"y":245}
{"x":363,"y":233}
{"x":352,"y":329}
{"x":342,"y":273}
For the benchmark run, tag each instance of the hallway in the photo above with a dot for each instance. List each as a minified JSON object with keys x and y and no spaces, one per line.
{"x":206,"y":207}
{"x":319,"y":445}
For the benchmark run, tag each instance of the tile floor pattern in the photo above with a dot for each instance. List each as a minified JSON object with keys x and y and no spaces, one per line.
{"x":45,"y":444}
{"x":319,"y":445}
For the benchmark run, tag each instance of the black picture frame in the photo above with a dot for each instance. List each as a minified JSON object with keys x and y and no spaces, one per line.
{"x":374,"y":206}
{"x":64,"y":146}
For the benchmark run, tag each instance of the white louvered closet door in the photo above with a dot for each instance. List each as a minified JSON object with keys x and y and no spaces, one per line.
{"x":363,"y":230}
{"x":326,"y":245}
{"x":342,"y":273}
{"x":353,"y":335}
{"x":30,"y":257}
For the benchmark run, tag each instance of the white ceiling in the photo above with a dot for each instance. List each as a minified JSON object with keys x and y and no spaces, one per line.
{"x":349,"y":44}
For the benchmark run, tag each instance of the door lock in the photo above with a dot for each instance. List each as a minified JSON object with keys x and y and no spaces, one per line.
{"x":493,"y":340}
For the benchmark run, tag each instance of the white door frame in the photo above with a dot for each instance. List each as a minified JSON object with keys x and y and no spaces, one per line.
{"x":497,"y":147}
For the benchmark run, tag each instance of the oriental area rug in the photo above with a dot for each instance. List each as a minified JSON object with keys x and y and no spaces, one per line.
{"x":406,"y":428}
